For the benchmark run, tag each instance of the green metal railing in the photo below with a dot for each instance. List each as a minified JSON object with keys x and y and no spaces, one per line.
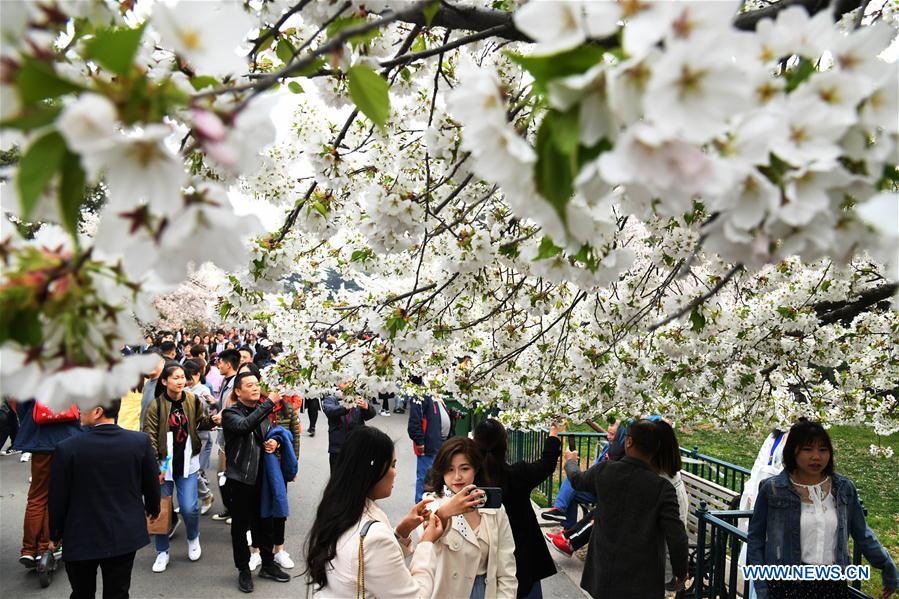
{"x":718,"y":538}
{"x":528,"y":446}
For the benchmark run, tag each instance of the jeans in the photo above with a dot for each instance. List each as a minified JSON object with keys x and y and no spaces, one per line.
{"x":422,"y":465}
{"x":206,"y":449}
{"x":567,"y":500}
{"x":479,"y":590}
{"x":245,"y":516}
{"x":190,"y":507}
{"x":116,"y":572}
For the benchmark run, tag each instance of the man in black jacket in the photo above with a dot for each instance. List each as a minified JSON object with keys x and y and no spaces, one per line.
{"x":636,"y":517}
{"x":246,"y":425}
{"x":103,"y":484}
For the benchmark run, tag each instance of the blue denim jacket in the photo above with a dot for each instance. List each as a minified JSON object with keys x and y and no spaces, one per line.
{"x":774,"y":529}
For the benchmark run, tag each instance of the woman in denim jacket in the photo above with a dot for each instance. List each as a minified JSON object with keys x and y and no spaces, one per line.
{"x":805,"y":515}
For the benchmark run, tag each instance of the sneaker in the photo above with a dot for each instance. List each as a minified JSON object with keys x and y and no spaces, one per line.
{"x":26,"y":457}
{"x":57,"y":554}
{"x":255,"y":560}
{"x":206,"y":504}
{"x":311,"y":432}
{"x":249,"y":539}
{"x":228,"y":521}
{"x":174,"y":528}
{"x":399,"y":411}
{"x":274,"y":572}
{"x":222,"y":515}
{"x":193,"y":549}
{"x":385,"y":412}
{"x":245,"y":581}
{"x":28,"y":561}
{"x":10,"y":451}
{"x":162,"y":562}
{"x":561,"y":544}
{"x":554,"y":514}
{"x":282,"y":558}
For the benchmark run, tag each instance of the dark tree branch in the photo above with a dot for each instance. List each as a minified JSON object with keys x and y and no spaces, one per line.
{"x":831,"y":312}
{"x":699,"y":300}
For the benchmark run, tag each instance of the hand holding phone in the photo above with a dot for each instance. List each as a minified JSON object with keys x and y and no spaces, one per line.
{"x":492,"y":497}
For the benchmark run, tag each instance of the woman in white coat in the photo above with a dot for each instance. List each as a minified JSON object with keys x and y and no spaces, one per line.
{"x":349,"y":524}
{"x":476,"y":554}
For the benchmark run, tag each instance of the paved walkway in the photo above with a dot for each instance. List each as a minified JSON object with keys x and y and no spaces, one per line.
{"x":214,"y":576}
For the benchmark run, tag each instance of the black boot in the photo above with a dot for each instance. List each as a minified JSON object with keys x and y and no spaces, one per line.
{"x":245,"y":581}
{"x":273,"y":571}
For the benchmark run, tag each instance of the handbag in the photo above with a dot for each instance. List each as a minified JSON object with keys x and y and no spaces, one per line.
{"x":161,"y":524}
{"x":41,"y":414}
{"x":360,"y":572}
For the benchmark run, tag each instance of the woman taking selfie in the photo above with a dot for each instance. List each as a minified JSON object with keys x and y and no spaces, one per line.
{"x":532,"y":559}
{"x":805,"y":515}
{"x":476,"y":555}
{"x":349,"y":524}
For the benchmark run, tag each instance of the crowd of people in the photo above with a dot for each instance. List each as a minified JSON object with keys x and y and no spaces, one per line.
{"x":100,"y":490}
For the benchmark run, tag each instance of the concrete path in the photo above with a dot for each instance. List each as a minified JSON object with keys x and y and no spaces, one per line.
{"x":214,"y":576}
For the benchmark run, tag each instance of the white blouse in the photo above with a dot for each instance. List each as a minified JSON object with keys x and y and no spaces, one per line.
{"x":818,"y":524}
{"x":386,"y":574}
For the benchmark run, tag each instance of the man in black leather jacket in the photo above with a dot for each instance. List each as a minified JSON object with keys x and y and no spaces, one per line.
{"x":246,"y":425}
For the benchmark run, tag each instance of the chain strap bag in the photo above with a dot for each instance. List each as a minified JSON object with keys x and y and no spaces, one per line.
{"x":360,"y":572}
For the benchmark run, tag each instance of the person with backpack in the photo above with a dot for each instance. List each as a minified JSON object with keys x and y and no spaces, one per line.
{"x":40,"y":430}
{"x":173,"y":422}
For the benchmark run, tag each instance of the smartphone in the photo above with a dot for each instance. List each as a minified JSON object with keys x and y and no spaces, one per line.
{"x":493,"y":497}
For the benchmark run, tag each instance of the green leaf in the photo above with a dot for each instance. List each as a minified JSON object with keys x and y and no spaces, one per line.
{"x":369,"y":91}
{"x":395,"y":324}
{"x":430,"y":11}
{"x":555,"y":168}
{"x":71,"y":192}
{"x":546,"y":68}
{"x":420,"y":45}
{"x":201,"y":81}
{"x":24,"y":326}
{"x":344,"y":23}
{"x":361,"y":255}
{"x":37,"y":81}
{"x":37,"y":168}
{"x":115,"y":49}
{"x":314,"y":67}
{"x":802,"y":72}
{"x":697,"y":320}
{"x":32,"y":117}
{"x":320,"y":208}
{"x":295,"y":87}
{"x":547,"y":249}
{"x":284,"y":50}
{"x":566,"y":131}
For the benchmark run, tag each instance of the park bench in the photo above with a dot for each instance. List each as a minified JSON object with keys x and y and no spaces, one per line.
{"x":702,"y":494}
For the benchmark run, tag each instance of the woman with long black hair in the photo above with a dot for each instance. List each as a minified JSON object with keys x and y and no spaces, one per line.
{"x":173,"y":421}
{"x":350,"y":528}
{"x":532,"y":560}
